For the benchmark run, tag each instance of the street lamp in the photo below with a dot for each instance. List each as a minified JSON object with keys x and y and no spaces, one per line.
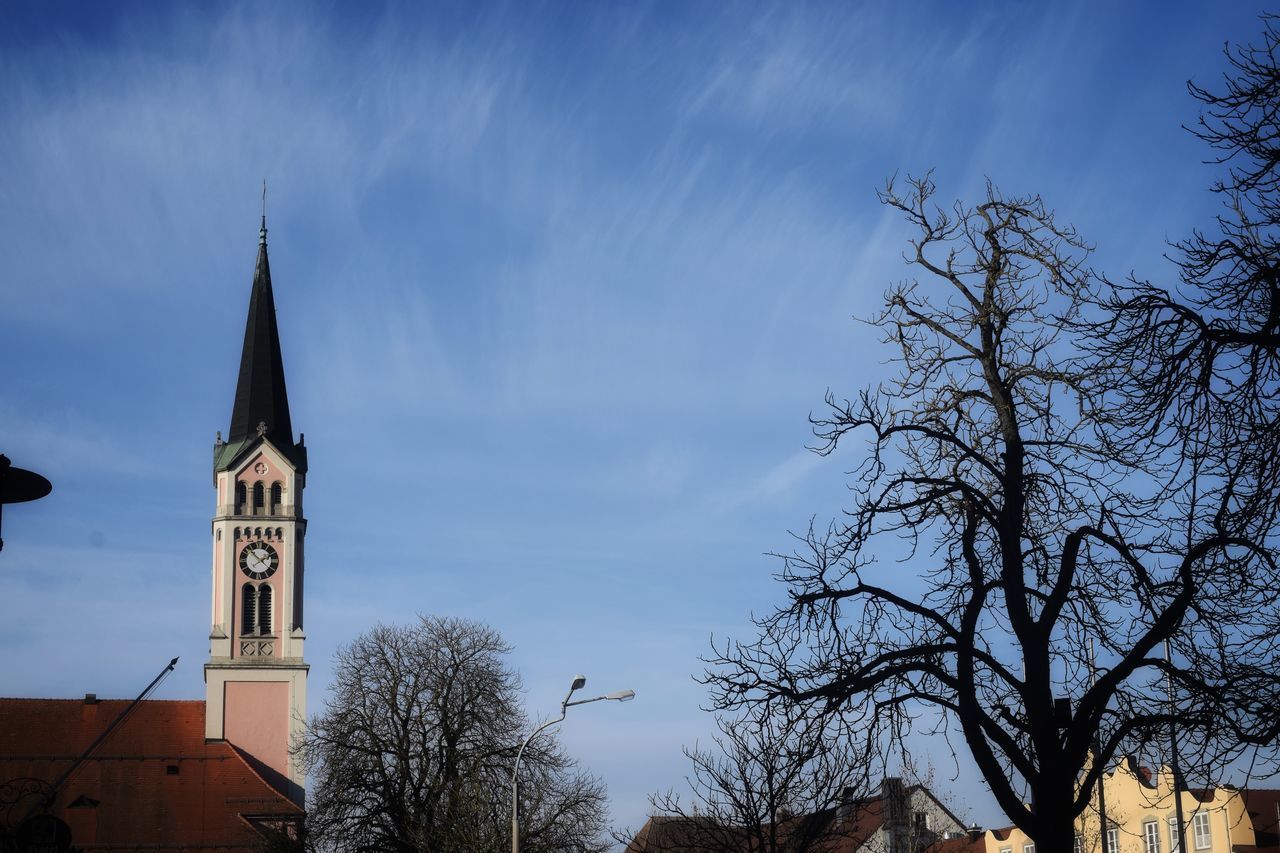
{"x":579,"y":682}
{"x":18,"y":485}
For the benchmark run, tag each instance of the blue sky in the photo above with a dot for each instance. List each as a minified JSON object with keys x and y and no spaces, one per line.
{"x":558,"y":285}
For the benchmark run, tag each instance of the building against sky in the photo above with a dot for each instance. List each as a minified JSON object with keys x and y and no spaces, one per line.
{"x":898,"y":818}
{"x":192,"y":775}
{"x":256,"y":679}
{"x":1142,"y":818}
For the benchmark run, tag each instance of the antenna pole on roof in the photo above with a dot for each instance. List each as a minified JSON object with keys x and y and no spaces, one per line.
{"x":1102,"y":777}
{"x":53,"y":789}
{"x":1180,"y":838}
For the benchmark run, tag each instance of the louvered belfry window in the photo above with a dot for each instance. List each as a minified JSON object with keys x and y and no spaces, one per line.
{"x":264,"y":609}
{"x":248,"y":609}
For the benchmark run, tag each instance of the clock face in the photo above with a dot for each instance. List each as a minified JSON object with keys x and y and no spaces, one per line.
{"x":258,"y":560}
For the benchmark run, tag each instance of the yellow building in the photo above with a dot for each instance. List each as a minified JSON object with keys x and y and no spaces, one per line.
{"x":1142,"y":818}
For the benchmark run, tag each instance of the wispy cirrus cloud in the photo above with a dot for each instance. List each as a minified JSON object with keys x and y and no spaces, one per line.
{"x":557,"y":287}
{"x":792,"y":71}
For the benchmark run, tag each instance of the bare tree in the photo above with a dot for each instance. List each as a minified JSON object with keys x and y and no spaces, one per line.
{"x":1195,"y":370}
{"x":775,"y":780}
{"x":415,"y":749}
{"x":1031,"y":540}
{"x":1191,"y":385}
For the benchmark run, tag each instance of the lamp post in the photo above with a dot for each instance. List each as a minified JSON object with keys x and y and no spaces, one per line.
{"x":579,"y":681}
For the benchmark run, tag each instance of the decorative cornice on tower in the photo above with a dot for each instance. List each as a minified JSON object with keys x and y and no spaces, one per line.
{"x":261,"y":397}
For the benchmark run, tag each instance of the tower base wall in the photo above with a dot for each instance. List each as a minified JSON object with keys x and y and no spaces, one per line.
{"x":262,"y":711}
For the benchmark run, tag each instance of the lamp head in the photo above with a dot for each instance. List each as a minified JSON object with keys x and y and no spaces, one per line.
{"x":622,"y":695}
{"x":579,"y":682}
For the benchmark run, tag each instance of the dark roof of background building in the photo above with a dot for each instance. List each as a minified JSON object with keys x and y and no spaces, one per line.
{"x":970,"y":842}
{"x":1263,"y":805}
{"x":825,"y":831}
{"x":154,"y":782}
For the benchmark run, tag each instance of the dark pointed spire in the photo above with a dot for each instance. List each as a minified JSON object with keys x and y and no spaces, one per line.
{"x":262,"y":404}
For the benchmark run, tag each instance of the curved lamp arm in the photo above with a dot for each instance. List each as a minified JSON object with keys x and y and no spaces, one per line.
{"x":579,"y":681}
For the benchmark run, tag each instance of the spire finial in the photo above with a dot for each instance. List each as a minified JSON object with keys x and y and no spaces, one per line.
{"x":262,"y":233}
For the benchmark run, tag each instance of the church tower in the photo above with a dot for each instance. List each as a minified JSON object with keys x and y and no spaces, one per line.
{"x":256,"y":678}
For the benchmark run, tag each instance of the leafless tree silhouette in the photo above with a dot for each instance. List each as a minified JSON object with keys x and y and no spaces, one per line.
{"x":415,"y":749}
{"x":775,"y":779}
{"x":1034,"y":531}
{"x":1194,"y":371}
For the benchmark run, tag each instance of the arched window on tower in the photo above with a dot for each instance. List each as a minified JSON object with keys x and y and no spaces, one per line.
{"x":248,"y":609}
{"x":242,"y":498}
{"x":259,"y":499}
{"x":264,"y":609}
{"x":277,"y":498}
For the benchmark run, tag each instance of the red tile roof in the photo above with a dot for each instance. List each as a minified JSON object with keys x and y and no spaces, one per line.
{"x":153,"y":782}
{"x":827,"y":831}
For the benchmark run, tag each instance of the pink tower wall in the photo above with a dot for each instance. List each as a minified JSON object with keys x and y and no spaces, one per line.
{"x":256,"y":719}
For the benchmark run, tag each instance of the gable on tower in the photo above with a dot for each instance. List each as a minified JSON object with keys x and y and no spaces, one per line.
{"x":258,"y":480}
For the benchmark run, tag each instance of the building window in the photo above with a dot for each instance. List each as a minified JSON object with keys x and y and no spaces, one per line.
{"x":259,"y":499}
{"x":1113,"y":840}
{"x":241,"y":498}
{"x":1200,"y":827}
{"x":921,"y":822}
{"x":1006,"y":850}
{"x":1077,"y":843}
{"x":1151,"y":836}
{"x":1029,"y":847}
{"x":277,"y":498}
{"x":248,"y":609}
{"x":1175,"y":841}
{"x":264,"y":609}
